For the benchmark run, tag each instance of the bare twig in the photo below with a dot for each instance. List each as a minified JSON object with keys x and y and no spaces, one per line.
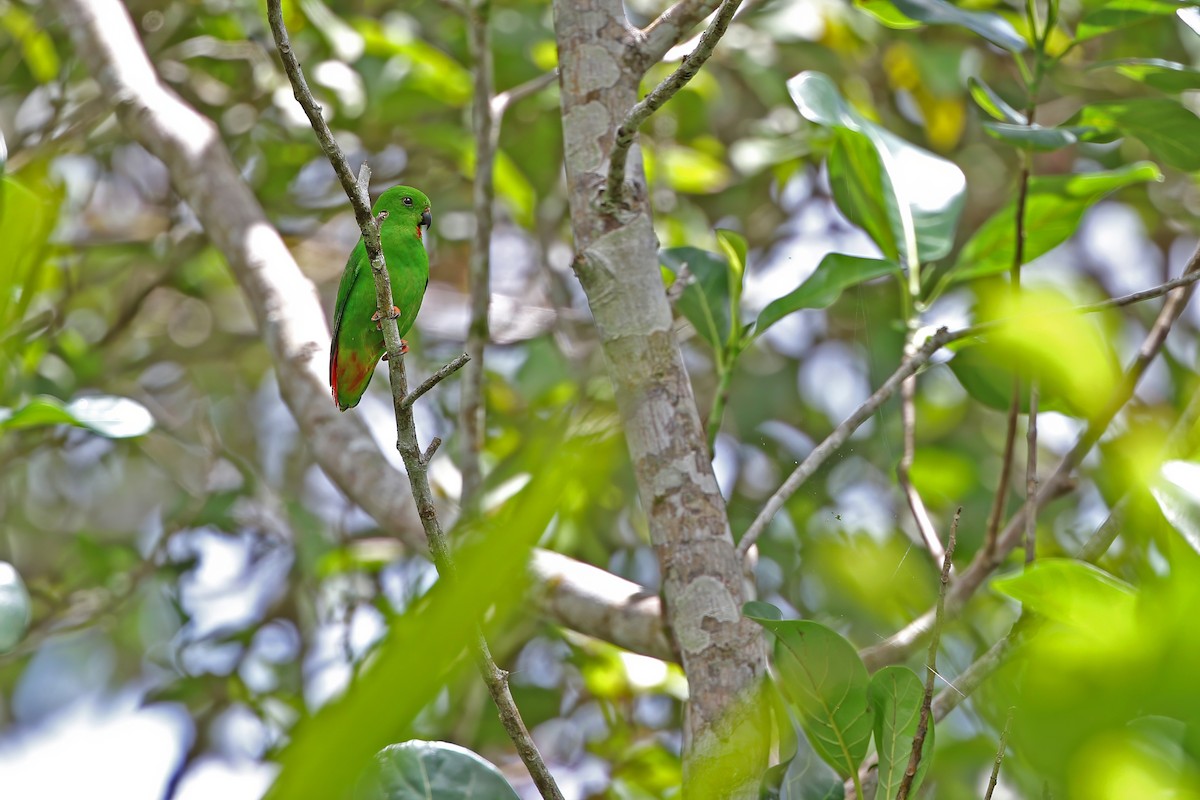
{"x":671,"y":26}
{"x":415,"y":462}
{"x":900,"y":645}
{"x":433,"y":380}
{"x":1031,"y":482}
{"x":908,"y":424}
{"x":838,"y":437}
{"x":471,"y":414}
{"x":615,"y":185}
{"x":999,"y":756}
{"x":931,"y":666}
{"x":509,"y":97}
{"x":979,"y":329}
{"x":1000,"y":499}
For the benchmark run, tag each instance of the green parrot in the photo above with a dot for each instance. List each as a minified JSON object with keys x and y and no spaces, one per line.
{"x":403,"y":213}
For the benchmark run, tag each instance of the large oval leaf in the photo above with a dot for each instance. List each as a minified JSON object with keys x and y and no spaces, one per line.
{"x":836,"y":273}
{"x":896,"y":694}
{"x":826,"y":682}
{"x":1168,"y":130}
{"x":418,"y":770}
{"x":993,"y":27}
{"x":704,"y":300}
{"x":923,"y":193}
{"x":110,"y":416}
{"x":1073,"y":593}
{"x":1056,"y":203}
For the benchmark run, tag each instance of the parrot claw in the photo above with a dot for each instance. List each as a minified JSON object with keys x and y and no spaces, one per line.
{"x":403,"y":349}
{"x":378,"y":320}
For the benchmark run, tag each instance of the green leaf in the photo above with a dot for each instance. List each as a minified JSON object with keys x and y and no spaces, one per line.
{"x":826,"y":682}
{"x":859,"y":187}
{"x":692,"y":171}
{"x":1032,"y":136}
{"x":15,"y":607}
{"x":836,"y":273}
{"x":109,"y":416}
{"x":1166,"y":76}
{"x":992,"y":27}
{"x":1070,"y":592}
{"x":1168,"y":130}
{"x":1054,"y":207}
{"x":329,"y":751}
{"x":733,"y":246}
{"x":757,"y":609}
{"x":924,"y":193}
{"x":37,"y":48}
{"x":28,"y":214}
{"x":992,"y":103}
{"x":1119,"y":14}
{"x":419,"y":770}
{"x":1177,"y":492}
{"x":704,"y":301}
{"x":896,"y":695}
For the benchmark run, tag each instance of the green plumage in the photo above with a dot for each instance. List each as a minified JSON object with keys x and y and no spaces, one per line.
{"x":357,"y":338}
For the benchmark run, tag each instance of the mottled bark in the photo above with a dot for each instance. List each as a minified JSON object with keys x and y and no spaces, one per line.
{"x":617,"y":264}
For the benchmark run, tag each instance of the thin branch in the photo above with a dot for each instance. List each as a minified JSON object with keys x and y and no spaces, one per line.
{"x":979,"y":329}
{"x":671,"y":26}
{"x":615,"y":185}
{"x":1000,"y":499}
{"x":838,"y":437}
{"x":999,"y":755}
{"x":406,"y":433}
{"x":472,"y":413}
{"x":433,"y":380}
{"x":901,"y":644}
{"x":510,"y":97}
{"x":908,"y":425}
{"x":1031,"y":482}
{"x":914,"y":759}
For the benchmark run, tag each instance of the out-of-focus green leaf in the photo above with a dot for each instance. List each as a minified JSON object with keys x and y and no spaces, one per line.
{"x":733,"y":246}
{"x":1071,"y":592}
{"x":1054,"y":208}
{"x":704,"y":301}
{"x":1032,"y":136}
{"x":1120,"y":14}
{"x":28,"y":214}
{"x":1177,"y":493}
{"x":111,"y":417}
{"x":888,"y":14}
{"x":329,"y":751}
{"x":421,"y":65}
{"x":924,"y":193}
{"x":825,"y":680}
{"x":1166,"y":76}
{"x":992,"y":103}
{"x":419,"y":770}
{"x":862,"y":190}
{"x":513,"y":187}
{"x":836,"y":273}
{"x":37,"y":47}
{"x":15,"y":607}
{"x":992,"y":27}
{"x":1041,"y":337}
{"x":1168,"y":130}
{"x":692,"y":171}
{"x":896,"y":694}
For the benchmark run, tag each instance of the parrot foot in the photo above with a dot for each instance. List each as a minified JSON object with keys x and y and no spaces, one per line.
{"x":403,"y":349}
{"x":378,"y":320}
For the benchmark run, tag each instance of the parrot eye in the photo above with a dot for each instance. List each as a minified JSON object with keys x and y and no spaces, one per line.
{"x":408,"y":201}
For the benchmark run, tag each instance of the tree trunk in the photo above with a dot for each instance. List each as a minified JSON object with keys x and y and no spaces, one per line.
{"x":617,"y":264}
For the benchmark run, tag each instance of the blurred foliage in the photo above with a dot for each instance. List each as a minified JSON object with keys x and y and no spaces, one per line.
{"x":839,"y":176}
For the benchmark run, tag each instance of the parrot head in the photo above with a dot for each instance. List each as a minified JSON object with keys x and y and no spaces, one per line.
{"x":404,"y":207}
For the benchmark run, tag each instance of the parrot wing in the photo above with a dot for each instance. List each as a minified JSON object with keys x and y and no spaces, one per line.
{"x":354,"y":267}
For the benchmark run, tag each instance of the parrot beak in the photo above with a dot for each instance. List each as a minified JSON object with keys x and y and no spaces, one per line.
{"x":426,"y":219}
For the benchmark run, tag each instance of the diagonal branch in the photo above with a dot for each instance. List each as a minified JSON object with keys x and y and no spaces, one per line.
{"x":901,"y":644}
{"x":416,"y":463}
{"x":291,"y":322}
{"x":615,"y":185}
{"x":838,"y":437}
{"x":671,"y":26}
